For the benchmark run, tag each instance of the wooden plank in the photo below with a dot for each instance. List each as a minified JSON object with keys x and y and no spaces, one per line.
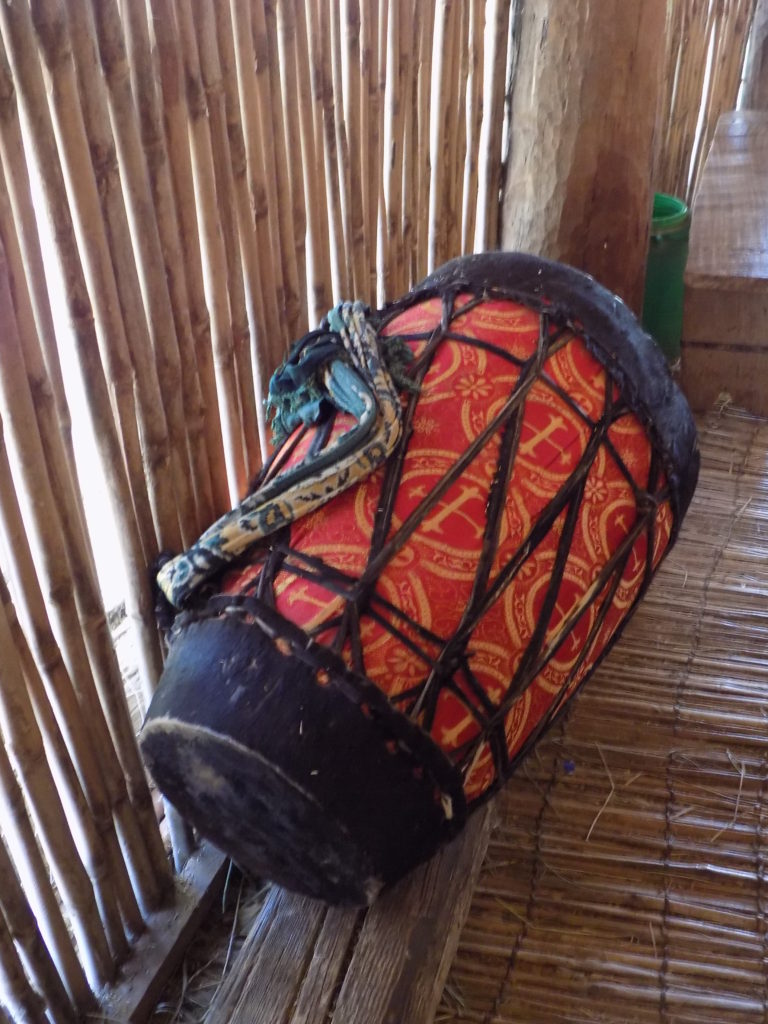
{"x":725,"y":322}
{"x":728,"y":239}
{"x":270,"y":969}
{"x":410,"y":936}
{"x":306,"y":963}
{"x":161,"y":948}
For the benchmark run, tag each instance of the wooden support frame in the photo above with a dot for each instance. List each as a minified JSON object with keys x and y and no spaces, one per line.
{"x":307,"y":963}
{"x":161,"y":948}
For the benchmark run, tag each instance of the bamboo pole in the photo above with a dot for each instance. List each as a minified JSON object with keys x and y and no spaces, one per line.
{"x":215,"y":261}
{"x":268,"y":87}
{"x":332,"y":35}
{"x":24,"y":744}
{"x":270,"y":348}
{"x":158,"y":166}
{"x":459,"y":134}
{"x":77,"y":609}
{"x":490,"y":166}
{"x":440,"y":144}
{"x":33,"y":712}
{"x":281,"y":40}
{"x":224,"y":185}
{"x":313,"y":170}
{"x":393,"y":150}
{"x":474,"y":122}
{"x":53,"y":39}
{"x":147,"y":251}
{"x":61,"y":694}
{"x":267,"y":348}
{"x":319,"y":29}
{"x":96,"y":192}
{"x":17,"y":27}
{"x":24,"y":931}
{"x":357,"y":241}
{"x":110,"y":715}
{"x":37,"y":884}
{"x":383,"y":239}
{"x":18,"y":995}
{"x":411,"y":156}
{"x":369,"y":128}
{"x":218,"y":416}
{"x":17,"y":179}
{"x":424,"y":108}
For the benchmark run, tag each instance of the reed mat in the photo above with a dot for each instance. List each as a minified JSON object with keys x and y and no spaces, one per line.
{"x":626,"y":877}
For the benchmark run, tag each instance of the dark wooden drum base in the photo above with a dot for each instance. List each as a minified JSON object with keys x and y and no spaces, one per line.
{"x":301,"y":771}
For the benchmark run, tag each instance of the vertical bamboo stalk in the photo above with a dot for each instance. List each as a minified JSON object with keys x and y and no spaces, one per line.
{"x":268,"y":72}
{"x":490,"y":165}
{"x":222,"y":119}
{"x":352,"y":92}
{"x":370,"y":130}
{"x":281,"y":37}
{"x":383,"y":239}
{"x":218,"y":415}
{"x":32,"y":712}
{"x":24,"y":931}
{"x":202,"y":437}
{"x":271,"y":346}
{"x":96,"y":191}
{"x":408,"y":60}
{"x":320,"y":30}
{"x":755,"y":92}
{"x":17,"y":178}
{"x":61,"y":694}
{"x":77,"y":608}
{"x":424,"y":110}
{"x":36,"y":879}
{"x":24,"y":744}
{"x":393,"y":151}
{"x":147,"y":251}
{"x":215,"y":258}
{"x":267,"y":347}
{"x":333,"y":44}
{"x":21,"y":999}
{"x":314,"y":169}
{"x":474,"y":121}
{"x":441,"y":137}
{"x":459,"y":133}
{"x":17,"y":30}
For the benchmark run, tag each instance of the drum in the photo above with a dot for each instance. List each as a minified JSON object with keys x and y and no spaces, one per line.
{"x":474,"y":490}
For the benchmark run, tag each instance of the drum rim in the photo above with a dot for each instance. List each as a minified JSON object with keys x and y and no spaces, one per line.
{"x":610,"y":332}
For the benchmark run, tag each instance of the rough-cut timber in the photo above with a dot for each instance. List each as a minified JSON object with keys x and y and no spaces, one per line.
{"x":583,"y":130}
{"x":306,"y":963}
{"x":724,"y":346}
{"x":755,"y":94}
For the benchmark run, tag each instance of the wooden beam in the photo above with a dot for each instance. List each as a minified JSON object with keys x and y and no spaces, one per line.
{"x":583,"y":133}
{"x":160,"y":949}
{"x":755,"y":87}
{"x":307,"y":963}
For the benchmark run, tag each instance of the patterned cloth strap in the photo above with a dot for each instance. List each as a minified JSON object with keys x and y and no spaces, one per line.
{"x":342,"y":364}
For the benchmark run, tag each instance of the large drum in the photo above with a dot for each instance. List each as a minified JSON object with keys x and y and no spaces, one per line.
{"x":457,"y":525}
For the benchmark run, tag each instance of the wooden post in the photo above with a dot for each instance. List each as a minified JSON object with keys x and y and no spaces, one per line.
{"x":584,"y":107}
{"x":755,"y":81}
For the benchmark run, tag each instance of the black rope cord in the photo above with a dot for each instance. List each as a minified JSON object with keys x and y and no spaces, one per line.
{"x":447,"y":659}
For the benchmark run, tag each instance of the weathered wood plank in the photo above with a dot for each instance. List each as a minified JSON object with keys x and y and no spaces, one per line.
{"x":725,"y":317}
{"x":305,"y":963}
{"x":160,"y":949}
{"x":410,"y":935}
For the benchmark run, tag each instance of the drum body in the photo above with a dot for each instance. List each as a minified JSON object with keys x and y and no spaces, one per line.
{"x":356,"y":683}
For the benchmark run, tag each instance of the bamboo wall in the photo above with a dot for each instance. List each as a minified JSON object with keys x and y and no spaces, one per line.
{"x":705,"y":46}
{"x":215,"y":175}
